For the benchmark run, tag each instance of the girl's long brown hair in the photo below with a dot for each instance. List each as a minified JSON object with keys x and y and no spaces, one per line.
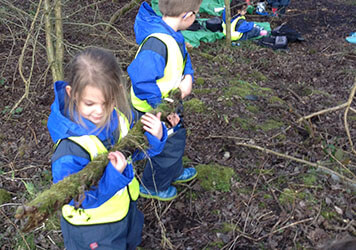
{"x":98,"y":68}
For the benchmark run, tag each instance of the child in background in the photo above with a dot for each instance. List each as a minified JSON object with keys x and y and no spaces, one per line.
{"x":161,"y":65}
{"x":240,"y":28}
{"x":278,"y":6}
{"x":90,"y":114}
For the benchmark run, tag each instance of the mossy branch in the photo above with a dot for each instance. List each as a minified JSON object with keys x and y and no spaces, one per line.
{"x":73,"y":186}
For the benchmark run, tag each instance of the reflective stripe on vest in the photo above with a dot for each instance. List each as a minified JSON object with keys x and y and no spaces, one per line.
{"x":172,"y":72}
{"x":235,"y":35}
{"x":114,"y":209}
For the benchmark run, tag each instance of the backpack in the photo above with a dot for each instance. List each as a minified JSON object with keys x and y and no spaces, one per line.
{"x":214,"y":24}
{"x":195,"y":26}
{"x":291,"y":34}
{"x":274,"y":42}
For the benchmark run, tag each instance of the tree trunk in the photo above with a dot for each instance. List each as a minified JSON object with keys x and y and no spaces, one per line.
{"x":59,"y":38}
{"x":228,"y":22}
{"x":54,"y":52}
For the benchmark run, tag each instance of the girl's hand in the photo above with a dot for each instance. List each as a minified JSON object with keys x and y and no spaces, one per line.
{"x":173,"y":119}
{"x":118,"y":160}
{"x":152,"y":124}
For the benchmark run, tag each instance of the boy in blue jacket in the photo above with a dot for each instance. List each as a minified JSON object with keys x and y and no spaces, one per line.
{"x":240,"y":28}
{"x":161,"y":65}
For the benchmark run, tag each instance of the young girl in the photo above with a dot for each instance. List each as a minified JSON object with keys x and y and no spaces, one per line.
{"x":89,"y":115}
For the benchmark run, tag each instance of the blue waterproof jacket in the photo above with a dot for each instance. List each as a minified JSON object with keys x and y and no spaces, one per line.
{"x":149,"y":64}
{"x":70,"y":158}
{"x":242,"y":26}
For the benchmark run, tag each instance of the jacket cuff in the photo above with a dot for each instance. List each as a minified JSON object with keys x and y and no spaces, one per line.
{"x":113,"y":174}
{"x":156,"y":145}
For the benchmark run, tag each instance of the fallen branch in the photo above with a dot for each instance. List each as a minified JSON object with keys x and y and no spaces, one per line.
{"x":73,"y":186}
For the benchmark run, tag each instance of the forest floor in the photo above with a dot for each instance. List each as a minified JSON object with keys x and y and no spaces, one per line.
{"x":243,"y":111}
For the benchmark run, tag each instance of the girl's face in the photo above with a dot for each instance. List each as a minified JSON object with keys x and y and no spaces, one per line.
{"x":91,"y":105}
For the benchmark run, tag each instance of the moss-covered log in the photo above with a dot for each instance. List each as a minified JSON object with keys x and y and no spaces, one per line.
{"x":73,"y":186}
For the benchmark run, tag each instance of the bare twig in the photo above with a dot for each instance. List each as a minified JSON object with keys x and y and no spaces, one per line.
{"x":349,"y":101}
{"x":341,"y":106}
{"x":21,"y":59}
{"x":340,"y":163}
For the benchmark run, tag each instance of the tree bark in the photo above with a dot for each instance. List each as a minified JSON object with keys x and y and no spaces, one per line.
{"x":59,"y":38}
{"x":228,"y":22}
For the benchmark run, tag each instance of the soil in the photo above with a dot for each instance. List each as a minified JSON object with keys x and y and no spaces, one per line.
{"x":274,"y":202}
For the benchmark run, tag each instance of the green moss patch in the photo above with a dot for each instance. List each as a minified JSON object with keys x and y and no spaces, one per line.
{"x":205,"y":91}
{"x":215,"y":177}
{"x":5,"y":196}
{"x":275,"y":99}
{"x":194,"y":105}
{"x":199,"y":81}
{"x":270,"y":124}
{"x":309,"y":179}
{"x":258,"y":76}
{"x":288,"y":196}
{"x":245,"y":124}
{"x":243,"y":88}
{"x":253,"y":109}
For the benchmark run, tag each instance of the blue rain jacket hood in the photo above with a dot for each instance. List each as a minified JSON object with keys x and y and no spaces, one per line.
{"x":148,"y":22}
{"x":60,"y":126}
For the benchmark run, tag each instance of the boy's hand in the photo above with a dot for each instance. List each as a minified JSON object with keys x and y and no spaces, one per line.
{"x":173,"y":119}
{"x":186,"y":85}
{"x":118,"y":160}
{"x":152,"y":124}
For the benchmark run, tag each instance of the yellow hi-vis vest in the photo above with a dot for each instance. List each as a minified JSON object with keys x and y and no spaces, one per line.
{"x":235,"y":35}
{"x":172,"y":73}
{"x":114,"y":209}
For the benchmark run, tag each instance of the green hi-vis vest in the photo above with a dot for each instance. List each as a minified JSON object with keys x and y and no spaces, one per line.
{"x":235,"y":35}
{"x":172,"y":73}
{"x":114,"y":209}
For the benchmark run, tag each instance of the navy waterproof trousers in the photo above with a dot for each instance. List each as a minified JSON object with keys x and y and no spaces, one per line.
{"x":162,"y":169}
{"x":121,"y":235}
